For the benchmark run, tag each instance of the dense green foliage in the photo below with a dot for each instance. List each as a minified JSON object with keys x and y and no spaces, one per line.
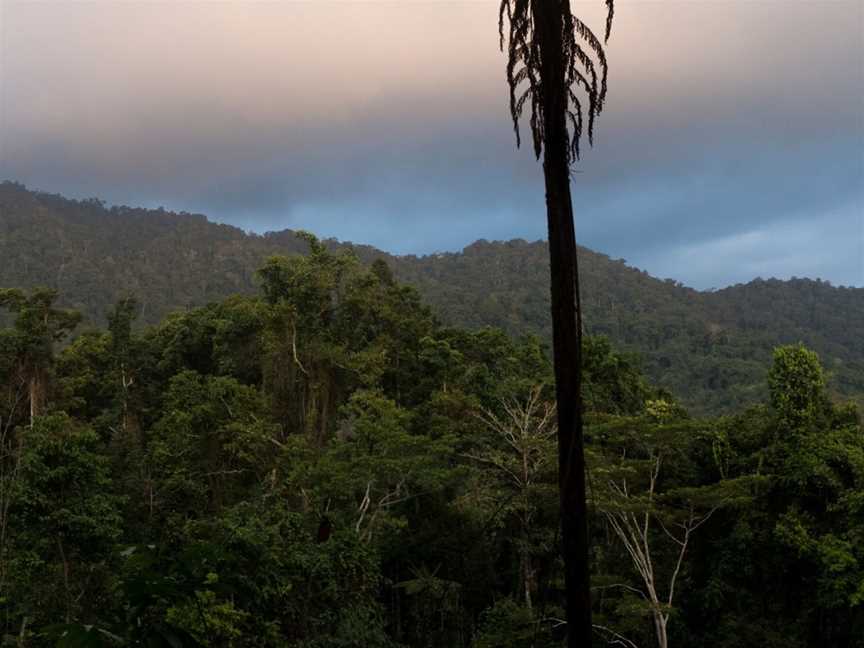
{"x":711,"y":349}
{"x":328,"y":465}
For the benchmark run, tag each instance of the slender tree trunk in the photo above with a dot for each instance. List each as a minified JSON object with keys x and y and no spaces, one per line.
{"x":65,"y":580}
{"x":660,"y":625}
{"x":566,"y":321}
{"x":35,"y":390}
{"x":527,"y":579}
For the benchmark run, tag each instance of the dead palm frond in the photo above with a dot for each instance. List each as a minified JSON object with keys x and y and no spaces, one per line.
{"x":585,"y":71}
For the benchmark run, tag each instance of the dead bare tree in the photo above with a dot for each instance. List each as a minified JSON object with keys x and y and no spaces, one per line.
{"x":526,"y":428}
{"x":635,"y":518}
{"x":371,"y":507}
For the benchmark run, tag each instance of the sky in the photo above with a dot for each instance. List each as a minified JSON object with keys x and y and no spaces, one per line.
{"x":732,"y":145}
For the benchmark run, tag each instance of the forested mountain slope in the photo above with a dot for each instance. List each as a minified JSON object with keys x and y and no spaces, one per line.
{"x":708,"y":348}
{"x":711,"y":349}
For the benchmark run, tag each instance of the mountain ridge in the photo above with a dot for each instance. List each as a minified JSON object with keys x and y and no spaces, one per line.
{"x":709,"y":347}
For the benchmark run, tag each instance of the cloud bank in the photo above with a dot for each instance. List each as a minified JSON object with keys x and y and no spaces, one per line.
{"x":732,"y":145}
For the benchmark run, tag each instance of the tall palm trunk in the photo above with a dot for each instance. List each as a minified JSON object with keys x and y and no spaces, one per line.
{"x":567,"y":347}
{"x":566,"y":321}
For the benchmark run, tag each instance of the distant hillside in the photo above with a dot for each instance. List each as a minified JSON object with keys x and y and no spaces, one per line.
{"x":709,"y":348}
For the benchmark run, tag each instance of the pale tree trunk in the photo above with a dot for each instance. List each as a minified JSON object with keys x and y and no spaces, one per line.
{"x":660,"y":626}
{"x":126,"y":382}
{"x":36,"y":388}
{"x":527,"y":571}
{"x":66,"y":585}
{"x":34,"y":395}
{"x":528,"y":578}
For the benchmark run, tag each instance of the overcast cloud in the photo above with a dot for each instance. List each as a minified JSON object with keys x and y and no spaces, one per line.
{"x":733,"y":144}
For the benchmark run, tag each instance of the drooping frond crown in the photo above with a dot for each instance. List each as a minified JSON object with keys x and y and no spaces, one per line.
{"x":586,"y":71}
